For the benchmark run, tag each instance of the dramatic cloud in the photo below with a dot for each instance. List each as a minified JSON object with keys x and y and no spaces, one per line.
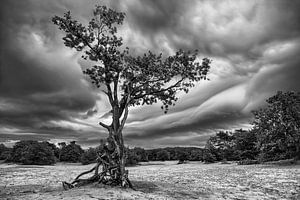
{"x":254,"y":46}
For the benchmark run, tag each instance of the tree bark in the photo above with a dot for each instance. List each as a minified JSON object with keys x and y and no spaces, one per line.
{"x":112,"y":157}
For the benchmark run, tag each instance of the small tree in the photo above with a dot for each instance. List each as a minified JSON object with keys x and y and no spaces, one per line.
{"x":278,"y":127}
{"x":126,"y":80}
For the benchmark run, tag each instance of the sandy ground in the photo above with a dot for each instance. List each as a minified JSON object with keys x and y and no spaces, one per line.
{"x":156,"y":180}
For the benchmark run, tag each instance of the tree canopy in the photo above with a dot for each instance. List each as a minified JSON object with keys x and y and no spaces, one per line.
{"x":277,"y":126}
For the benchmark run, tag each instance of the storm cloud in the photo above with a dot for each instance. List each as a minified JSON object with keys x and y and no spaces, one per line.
{"x":254,"y":46}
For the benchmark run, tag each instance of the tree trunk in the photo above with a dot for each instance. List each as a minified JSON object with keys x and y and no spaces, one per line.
{"x":112,"y":157}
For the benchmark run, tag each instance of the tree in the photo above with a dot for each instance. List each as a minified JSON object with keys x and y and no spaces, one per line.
{"x":277,"y":127}
{"x":221,"y":145}
{"x":245,"y":144}
{"x":32,"y":153}
{"x":71,"y":152}
{"x":126,"y":80}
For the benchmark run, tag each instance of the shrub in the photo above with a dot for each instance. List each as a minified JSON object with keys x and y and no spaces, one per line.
{"x":32,"y":153}
{"x":89,"y":156}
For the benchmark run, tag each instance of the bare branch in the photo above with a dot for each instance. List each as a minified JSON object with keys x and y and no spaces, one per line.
{"x":104,"y":125}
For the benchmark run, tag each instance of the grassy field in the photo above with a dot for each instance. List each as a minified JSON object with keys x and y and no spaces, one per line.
{"x":156,"y":180}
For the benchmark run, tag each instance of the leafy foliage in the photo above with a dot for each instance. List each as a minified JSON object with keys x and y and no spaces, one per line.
{"x":222,"y":146}
{"x":71,"y":153}
{"x":131,"y":157}
{"x":196,"y":155}
{"x":209,"y":157}
{"x":89,"y":156}
{"x":142,"y":154}
{"x":183,"y":156}
{"x":32,"y":153}
{"x":237,"y":145}
{"x":245,"y":145}
{"x":4,"y":152}
{"x":277,"y":127}
{"x":163,"y":155}
{"x":144,"y":79}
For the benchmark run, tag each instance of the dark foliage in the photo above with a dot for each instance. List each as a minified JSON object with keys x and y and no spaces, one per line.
{"x":163,"y":155}
{"x":277,"y":127}
{"x":196,"y":155}
{"x":89,"y":156}
{"x":142,"y":154}
{"x":245,"y":145}
{"x":5,"y":152}
{"x":183,"y":156}
{"x":71,"y":153}
{"x":209,"y":157}
{"x":187,"y":153}
{"x":132,"y":157}
{"x":32,"y":153}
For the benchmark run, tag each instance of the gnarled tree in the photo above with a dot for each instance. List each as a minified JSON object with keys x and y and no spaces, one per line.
{"x":128,"y":81}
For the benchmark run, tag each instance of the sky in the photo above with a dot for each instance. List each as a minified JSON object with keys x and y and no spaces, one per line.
{"x":254,"y":47}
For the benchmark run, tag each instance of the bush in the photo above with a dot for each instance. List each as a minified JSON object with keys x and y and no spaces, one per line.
{"x":32,"y":153}
{"x":71,"y":153}
{"x":89,"y":156}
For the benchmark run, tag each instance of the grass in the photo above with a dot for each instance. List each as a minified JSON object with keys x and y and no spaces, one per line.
{"x":158,"y":180}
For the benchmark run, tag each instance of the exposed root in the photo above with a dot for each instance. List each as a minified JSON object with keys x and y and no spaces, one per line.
{"x":111,"y":173}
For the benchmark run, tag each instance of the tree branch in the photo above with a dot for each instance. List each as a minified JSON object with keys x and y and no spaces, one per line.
{"x":104,"y":125}
{"x":159,"y":91}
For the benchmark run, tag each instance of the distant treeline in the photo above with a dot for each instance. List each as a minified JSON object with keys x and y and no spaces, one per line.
{"x":45,"y":153}
{"x":275,"y":136}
